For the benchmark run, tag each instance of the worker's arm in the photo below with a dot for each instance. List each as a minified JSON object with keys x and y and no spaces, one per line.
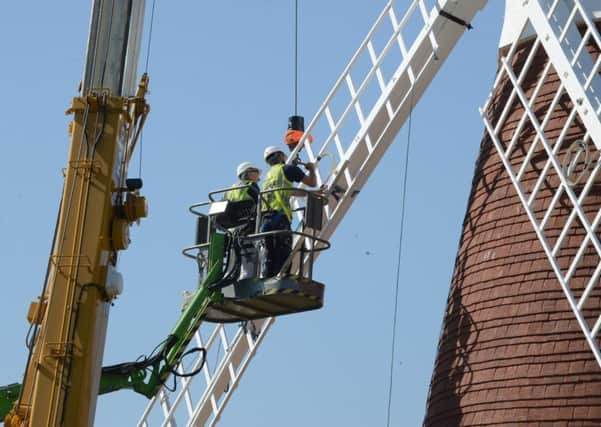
{"x":296,"y":174}
{"x":310,"y":179}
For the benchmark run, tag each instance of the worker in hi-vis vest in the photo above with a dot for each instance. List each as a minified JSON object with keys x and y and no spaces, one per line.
{"x":246,"y":189}
{"x":249,"y":176}
{"x":277,"y":211}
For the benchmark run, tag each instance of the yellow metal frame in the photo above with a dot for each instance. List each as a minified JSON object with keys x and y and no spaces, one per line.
{"x":62,"y":379}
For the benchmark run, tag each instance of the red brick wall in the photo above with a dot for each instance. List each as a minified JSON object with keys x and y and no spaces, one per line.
{"x":511,"y":351}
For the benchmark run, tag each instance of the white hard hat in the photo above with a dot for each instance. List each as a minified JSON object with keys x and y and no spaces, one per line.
{"x":244,"y":167}
{"x":271,"y":150}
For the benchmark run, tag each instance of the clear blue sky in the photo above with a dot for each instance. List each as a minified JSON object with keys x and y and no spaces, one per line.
{"x":221,"y":90}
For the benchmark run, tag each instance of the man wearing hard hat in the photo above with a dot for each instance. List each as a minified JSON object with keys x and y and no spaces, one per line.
{"x":246,"y":189}
{"x":277,"y":211}
{"x":249,"y":176}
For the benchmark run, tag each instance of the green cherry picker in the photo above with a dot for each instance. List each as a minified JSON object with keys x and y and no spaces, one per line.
{"x":222,"y":296}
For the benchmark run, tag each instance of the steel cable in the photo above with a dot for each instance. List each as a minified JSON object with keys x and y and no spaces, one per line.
{"x":398,"y":268}
{"x":148,"y":46}
{"x":295,"y":57}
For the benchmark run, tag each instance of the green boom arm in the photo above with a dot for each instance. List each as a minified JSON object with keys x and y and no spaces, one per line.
{"x":148,"y":375}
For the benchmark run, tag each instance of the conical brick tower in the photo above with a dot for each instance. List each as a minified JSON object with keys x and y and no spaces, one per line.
{"x":511,"y":352}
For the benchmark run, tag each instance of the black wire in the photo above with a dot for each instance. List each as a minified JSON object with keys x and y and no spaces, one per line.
{"x":295,"y":57}
{"x":146,"y":72}
{"x":149,"y":36}
{"x":171,"y":389}
{"x":233,"y":257}
{"x":29,"y":337}
{"x":102,"y":129}
{"x":398,"y":268}
{"x":197,"y":370}
{"x":154,"y":350}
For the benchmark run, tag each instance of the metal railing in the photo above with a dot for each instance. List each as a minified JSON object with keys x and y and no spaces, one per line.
{"x":304,"y":247}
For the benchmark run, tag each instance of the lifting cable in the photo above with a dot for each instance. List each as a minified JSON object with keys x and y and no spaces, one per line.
{"x":148,"y":46}
{"x":149,"y":37}
{"x":398,"y":267}
{"x":295,"y":57}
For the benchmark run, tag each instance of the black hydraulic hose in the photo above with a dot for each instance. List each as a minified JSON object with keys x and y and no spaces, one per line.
{"x":233,"y":252}
{"x":195,"y":371}
{"x":127,"y":368}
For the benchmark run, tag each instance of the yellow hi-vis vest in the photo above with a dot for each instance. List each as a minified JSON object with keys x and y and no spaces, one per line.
{"x":238,"y":194}
{"x":277,"y":200}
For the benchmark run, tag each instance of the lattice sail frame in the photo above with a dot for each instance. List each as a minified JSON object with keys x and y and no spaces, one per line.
{"x":357,"y":122}
{"x":565,"y":32}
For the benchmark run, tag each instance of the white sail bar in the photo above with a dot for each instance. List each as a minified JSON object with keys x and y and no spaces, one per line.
{"x":374,"y":95}
{"x":565,"y":169}
{"x":204,"y":401}
{"x":355,"y":125}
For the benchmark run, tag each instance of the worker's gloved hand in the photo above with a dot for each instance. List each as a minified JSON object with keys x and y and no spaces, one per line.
{"x":310,"y":167}
{"x":322,"y":191}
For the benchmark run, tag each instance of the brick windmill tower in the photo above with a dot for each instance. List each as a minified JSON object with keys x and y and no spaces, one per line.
{"x":526,"y":280}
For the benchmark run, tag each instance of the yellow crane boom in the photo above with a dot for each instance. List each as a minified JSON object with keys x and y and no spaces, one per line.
{"x":98,"y":205}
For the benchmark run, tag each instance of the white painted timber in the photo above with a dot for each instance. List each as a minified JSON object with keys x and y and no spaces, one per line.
{"x":564,"y":30}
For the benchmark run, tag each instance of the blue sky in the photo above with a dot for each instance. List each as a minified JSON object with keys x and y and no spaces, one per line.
{"x":221,"y":90}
